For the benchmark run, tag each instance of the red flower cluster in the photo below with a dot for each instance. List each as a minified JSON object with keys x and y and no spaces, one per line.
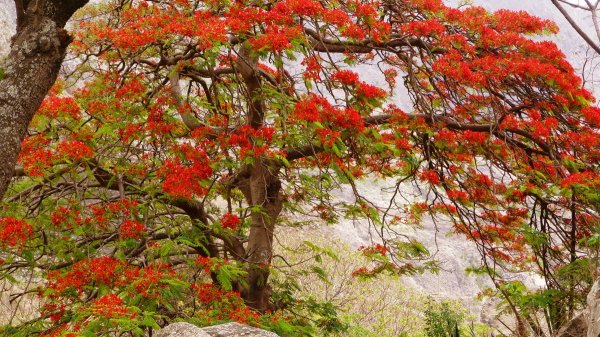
{"x":318,"y":109}
{"x":588,"y":178}
{"x":252,"y":142}
{"x":75,"y":150}
{"x":230,"y":221}
{"x":131,"y":229}
{"x":346,"y":77}
{"x":207,"y":292}
{"x":430,"y":27}
{"x":275,"y":38}
{"x":14,"y":232}
{"x":184,"y":177}
{"x":55,"y":106}
{"x":458,"y":196}
{"x":35,"y":156}
{"x":148,"y":281}
{"x":430,"y":176}
{"x":110,"y":306}
{"x":375,"y":249}
{"x":363,"y":90}
{"x":592,"y":115}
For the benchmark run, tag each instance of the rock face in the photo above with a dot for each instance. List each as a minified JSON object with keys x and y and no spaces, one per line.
{"x":237,"y":330}
{"x":7,"y":25}
{"x":182,"y":330}
{"x":222,"y":330}
{"x":577,"y":327}
{"x":593,"y":301}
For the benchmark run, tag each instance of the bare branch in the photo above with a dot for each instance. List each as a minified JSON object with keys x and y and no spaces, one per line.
{"x":575,"y":26}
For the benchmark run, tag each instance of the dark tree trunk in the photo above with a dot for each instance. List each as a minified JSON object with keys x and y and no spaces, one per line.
{"x":261,"y":187}
{"x":37,"y":52}
{"x":262,"y":190}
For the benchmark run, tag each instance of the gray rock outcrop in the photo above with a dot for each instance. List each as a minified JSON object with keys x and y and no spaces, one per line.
{"x":593,"y":301}
{"x":237,"y":330}
{"x":182,"y":330}
{"x":7,"y":25}
{"x":222,"y":330}
{"x":577,"y":327}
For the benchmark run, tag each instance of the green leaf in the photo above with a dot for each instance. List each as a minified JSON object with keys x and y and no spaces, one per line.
{"x":224,"y":279}
{"x":150,"y":322}
{"x":284,"y":160}
{"x":321,"y":273}
{"x":166,"y":248}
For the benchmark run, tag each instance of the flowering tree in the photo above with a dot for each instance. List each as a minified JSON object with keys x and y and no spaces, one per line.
{"x":156,"y":172}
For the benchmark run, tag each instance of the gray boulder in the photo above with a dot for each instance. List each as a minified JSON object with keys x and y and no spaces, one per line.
{"x":237,"y":330}
{"x":577,"y":327}
{"x":181,"y":330}
{"x":222,"y":330}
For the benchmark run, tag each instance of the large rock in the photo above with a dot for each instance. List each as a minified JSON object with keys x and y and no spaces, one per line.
{"x":577,"y":327}
{"x":222,"y":330}
{"x":237,"y":330}
{"x":181,"y":330}
{"x":7,"y":25}
{"x":593,"y":301}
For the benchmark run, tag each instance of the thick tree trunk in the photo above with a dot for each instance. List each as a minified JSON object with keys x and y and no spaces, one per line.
{"x":262,"y":190}
{"x":37,"y":52}
{"x":261,"y":187}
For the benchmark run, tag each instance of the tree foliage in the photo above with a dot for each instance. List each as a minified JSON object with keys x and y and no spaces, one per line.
{"x":156,"y":171}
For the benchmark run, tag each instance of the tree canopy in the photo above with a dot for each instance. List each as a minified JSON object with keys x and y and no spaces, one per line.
{"x":183,"y":132}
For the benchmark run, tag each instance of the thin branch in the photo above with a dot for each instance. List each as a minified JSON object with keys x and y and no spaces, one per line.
{"x":575,"y":26}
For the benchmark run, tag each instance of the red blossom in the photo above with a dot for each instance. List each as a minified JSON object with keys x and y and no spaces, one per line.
{"x":110,"y":306}
{"x":35,"y":156}
{"x":430,"y":176}
{"x":14,"y":232}
{"x":457,"y":195}
{"x":184,"y":177}
{"x":131,"y":229}
{"x":375,"y":249}
{"x":346,"y":77}
{"x":230,"y":221}
{"x":592,"y":115}
{"x":588,"y":178}
{"x":149,"y":281}
{"x":75,"y":150}
{"x":370,"y":91}
{"x":207,"y":292}
{"x":55,"y":106}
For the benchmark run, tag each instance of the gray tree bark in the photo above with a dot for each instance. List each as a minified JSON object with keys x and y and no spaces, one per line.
{"x":36,"y":54}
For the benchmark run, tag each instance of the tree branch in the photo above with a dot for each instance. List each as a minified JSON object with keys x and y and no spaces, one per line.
{"x":321,"y":44}
{"x":492,"y":128}
{"x":575,"y":26}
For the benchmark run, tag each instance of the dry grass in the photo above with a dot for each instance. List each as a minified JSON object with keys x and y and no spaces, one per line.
{"x":380,"y":306}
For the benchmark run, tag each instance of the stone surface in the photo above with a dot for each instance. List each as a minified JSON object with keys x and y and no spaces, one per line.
{"x":7,"y":25}
{"x":222,"y":330}
{"x":577,"y":327}
{"x":181,"y":330}
{"x":237,"y":330}
{"x":593,"y":301}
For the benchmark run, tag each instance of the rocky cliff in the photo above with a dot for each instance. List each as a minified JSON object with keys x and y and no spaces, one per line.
{"x":7,"y":25}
